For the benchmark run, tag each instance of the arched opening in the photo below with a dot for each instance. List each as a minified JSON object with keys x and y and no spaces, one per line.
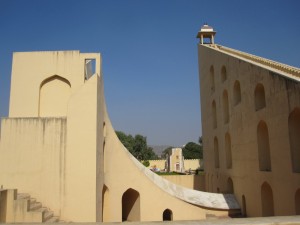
{"x":294,"y":135}
{"x":131,"y":205}
{"x":267,"y":203}
{"x":105,"y":204}
{"x":54,"y":96}
{"x":230,"y":189}
{"x":236,"y":93}
{"x":212,"y":79}
{"x":225,"y":107}
{"x":297,"y":202}
{"x":223,"y":74}
{"x":244,"y":208}
{"x":259,"y":96}
{"x":216,"y":153}
{"x":214,"y":113}
{"x":228,"y":151}
{"x":167,"y":215}
{"x":263,"y":147}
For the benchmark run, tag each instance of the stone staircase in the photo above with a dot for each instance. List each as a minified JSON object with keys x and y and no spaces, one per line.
{"x":22,"y":208}
{"x":37,"y":207}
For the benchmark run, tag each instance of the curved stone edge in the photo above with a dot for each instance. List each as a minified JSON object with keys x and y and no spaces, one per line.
{"x":198,"y":198}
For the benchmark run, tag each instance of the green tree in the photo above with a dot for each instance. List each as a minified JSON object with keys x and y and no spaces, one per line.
{"x":127,"y":140}
{"x":192,"y":151}
{"x":166,"y":152}
{"x":137,"y":146}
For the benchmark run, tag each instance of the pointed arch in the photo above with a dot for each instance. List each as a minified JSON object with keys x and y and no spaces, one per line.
{"x":167,"y":215}
{"x":267,"y":202}
{"x":236,"y":93}
{"x":259,"y":96}
{"x":216,"y":153}
{"x":225,"y":107}
{"x":131,"y":205}
{"x":214,"y":114}
{"x":263,"y":146}
{"x":223,"y":74}
{"x":105,"y":203}
{"x":294,"y":136}
{"x":54,"y":95}
{"x":228,"y":151}
{"x":230,"y":188}
{"x":244,"y":206}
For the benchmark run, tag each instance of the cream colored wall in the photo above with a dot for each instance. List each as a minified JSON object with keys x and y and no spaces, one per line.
{"x":122,"y":173}
{"x":30,"y":69}
{"x":192,"y":164}
{"x":58,"y":160}
{"x":176,"y":158}
{"x":282,"y":96}
{"x":32,"y":158}
{"x":161,"y":164}
{"x":196,"y":182}
{"x":61,"y":160}
{"x":83,"y":173}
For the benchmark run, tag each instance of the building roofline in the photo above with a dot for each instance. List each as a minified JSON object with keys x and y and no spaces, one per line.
{"x":284,"y":70}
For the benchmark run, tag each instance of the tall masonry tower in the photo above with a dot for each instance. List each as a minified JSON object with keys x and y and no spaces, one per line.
{"x":250,"y":109}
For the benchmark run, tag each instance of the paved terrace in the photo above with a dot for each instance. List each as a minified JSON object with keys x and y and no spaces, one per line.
{"x":277,"y":220}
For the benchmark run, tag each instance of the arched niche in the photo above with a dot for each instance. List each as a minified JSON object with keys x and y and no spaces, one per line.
{"x":267,"y":202}
{"x":294,"y":136}
{"x":263,"y":147}
{"x":223,"y":74}
{"x":228,"y":151}
{"x":225,"y":107}
{"x":244,"y":206}
{"x":214,"y":114}
{"x":259,"y":96}
{"x":230,"y":188}
{"x":167,"y":215}
{"x":131,"y":205}
{"x":216,"y":153}
{"x":105,"y":204}
{"x":54,"y":95}
{"x":236,"y":93}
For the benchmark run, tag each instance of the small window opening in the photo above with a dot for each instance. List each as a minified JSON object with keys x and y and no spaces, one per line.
{"x":89,"y":68}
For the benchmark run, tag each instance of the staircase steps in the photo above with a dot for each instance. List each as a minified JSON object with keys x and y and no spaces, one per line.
{"x":47,"y":215}
{"x":35,"y":206}
{"x":53,"y":219}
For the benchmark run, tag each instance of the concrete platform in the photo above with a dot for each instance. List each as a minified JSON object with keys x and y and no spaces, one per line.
{"x":277,"y":220}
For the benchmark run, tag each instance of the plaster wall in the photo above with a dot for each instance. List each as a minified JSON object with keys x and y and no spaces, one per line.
{"x":196,"y":182}
{"x":282,"y":96}
{"x":59,"y":160}
{"x":31,"y":69}
{"x":122,"y":172}
{"x":33,"y":156}
{"x":75,"y":164}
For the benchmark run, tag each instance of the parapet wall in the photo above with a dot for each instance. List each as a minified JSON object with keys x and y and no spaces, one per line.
{"x":192,"y":164}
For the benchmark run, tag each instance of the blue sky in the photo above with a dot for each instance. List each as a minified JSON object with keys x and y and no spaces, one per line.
{"x":149,"y":51}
